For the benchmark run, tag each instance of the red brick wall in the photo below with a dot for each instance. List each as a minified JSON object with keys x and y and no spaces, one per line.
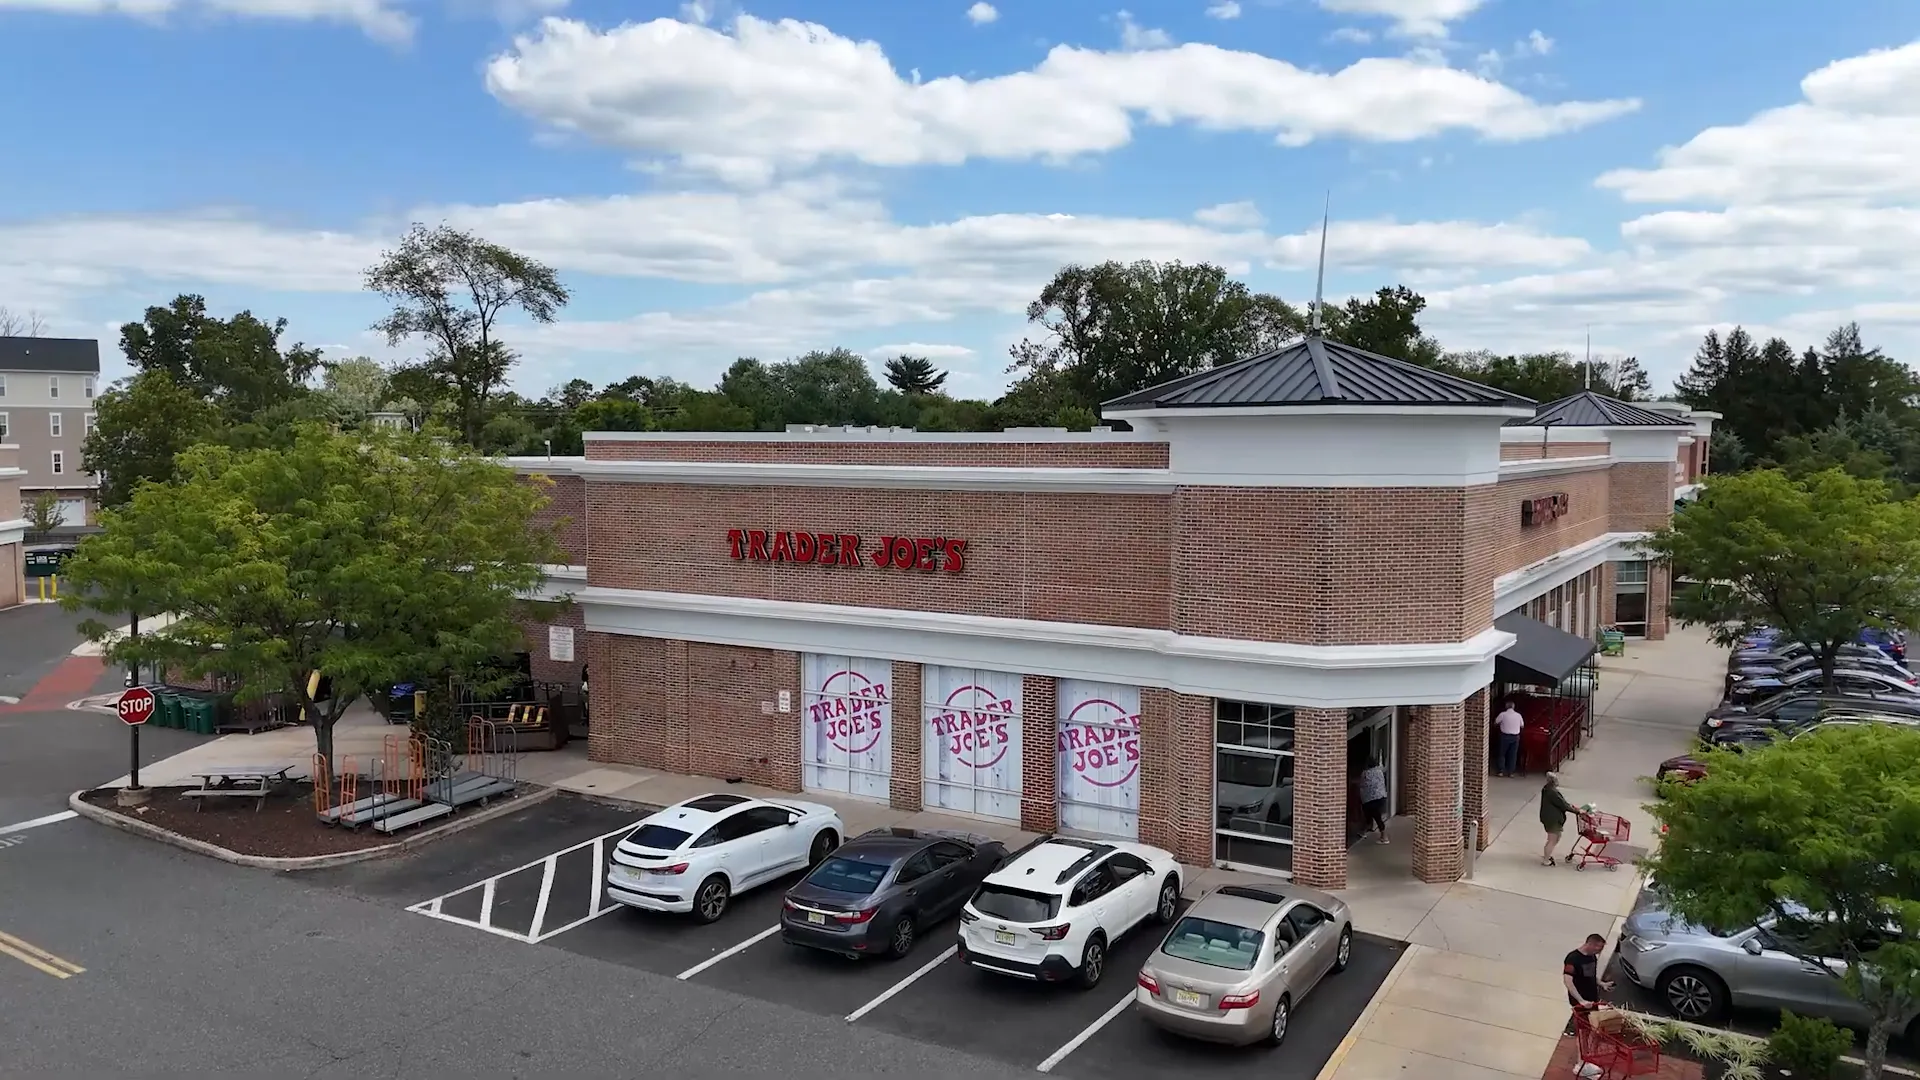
{"x":1176,"y":774}
{"x":1531,"y":451}
{"x":1320,"y":798}
{"x":1064,"y":557}
{"x":1438,"y":840}
{"x":1040,"y":754}
{"x":1588,"y":515}
{"x":1642,"y":495}
{"x":1478,"y":735}
{"x":906,"y":789}
{"x":688,"y":707}
{"x":565,"y":512}
{"x":533,"y":627}
{"x":1331,"y":566}
{"x":1659,"y":593}
{"x":805,"y":451}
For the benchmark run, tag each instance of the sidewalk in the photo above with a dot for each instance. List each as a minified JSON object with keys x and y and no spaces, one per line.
{"x":1477,"y":995}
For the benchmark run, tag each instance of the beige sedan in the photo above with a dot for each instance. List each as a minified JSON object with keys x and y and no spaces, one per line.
{"x":1237,"y":964}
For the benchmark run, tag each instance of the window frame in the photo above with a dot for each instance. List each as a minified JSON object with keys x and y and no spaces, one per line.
{"x":53,"y":388}
{"x":57,"y":464}
{"x":56,"y":426}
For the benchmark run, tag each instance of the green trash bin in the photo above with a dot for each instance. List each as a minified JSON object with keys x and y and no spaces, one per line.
{"x":200,"y":713}
{"x":166,"y":709}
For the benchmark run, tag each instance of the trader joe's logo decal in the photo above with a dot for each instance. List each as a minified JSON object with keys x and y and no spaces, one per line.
{"x":1100,"y":737}
{"x":974,"y":726}
{"x":851,"y":712}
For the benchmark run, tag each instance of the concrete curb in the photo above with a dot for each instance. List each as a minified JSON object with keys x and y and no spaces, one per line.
{"x":114,"y":820}
{"x":1360,"y":1022}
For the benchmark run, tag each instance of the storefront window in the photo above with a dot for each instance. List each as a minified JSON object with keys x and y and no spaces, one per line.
{"x":1630,"y":597}
{"x":970,"y":741}
{"x":847,"y":724}
{"x":1253,"y":784}
{"x":1099,"y":741}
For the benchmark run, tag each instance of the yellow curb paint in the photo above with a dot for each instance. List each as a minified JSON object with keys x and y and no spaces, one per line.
{"x":1340,"y":1052}
{"x":35,"y":957}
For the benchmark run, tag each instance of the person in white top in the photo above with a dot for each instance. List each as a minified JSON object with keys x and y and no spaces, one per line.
{"x":1509,"y":723}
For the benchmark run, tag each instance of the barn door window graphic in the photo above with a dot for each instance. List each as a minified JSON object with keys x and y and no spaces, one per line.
{"x":970,"y":741}
{"x":847,"y":724}
{"x":1099,"y":742}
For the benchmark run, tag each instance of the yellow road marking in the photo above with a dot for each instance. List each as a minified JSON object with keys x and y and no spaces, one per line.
{"x":36,"y":957}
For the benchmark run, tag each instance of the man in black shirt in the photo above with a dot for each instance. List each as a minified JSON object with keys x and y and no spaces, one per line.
{"x":1581,"y":974}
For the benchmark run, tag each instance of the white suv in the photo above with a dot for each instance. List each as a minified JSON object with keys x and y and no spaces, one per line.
{"x":1052,"y":912}
{"x":693,"y":856}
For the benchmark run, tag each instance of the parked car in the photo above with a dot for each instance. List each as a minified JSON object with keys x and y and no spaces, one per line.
{"x":878,"y":891}
{"x":1808,"y":662}
{"x":1052,"y":912}
{"x":1891,"y":643}
{"x":694,"y":856}
{"x":1702,"y":974}
{"x":1240,"y":960}
{"x":1796,"y":707}
{"x":1845,"y":680}
{"x":1686,"y":768}
{"x":1786,"y":653}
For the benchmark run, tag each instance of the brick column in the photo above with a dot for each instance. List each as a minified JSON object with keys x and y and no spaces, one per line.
{"x":1320,"y":798}
{"x":1409,"y":763}
{"x":640,"y":714}
{"x":905,"y":788}
{"x":1176,"y":774}
{"x":1606,"y":593}
{"x":1476,"y":737}
{"x":1437,"y":846}
{"x":1659,"y":593}
{"x":1040,"y":754}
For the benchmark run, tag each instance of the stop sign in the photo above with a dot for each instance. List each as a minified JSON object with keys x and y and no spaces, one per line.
{"x":136,"y":706}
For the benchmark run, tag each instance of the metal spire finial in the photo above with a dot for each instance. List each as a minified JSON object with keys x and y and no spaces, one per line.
{"x":1587,"y":377}
{"x":1320,"y":281}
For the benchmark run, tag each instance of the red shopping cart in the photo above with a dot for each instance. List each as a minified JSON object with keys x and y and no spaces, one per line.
{"x":1598,"y":830}
{"x":1610,"y":1050}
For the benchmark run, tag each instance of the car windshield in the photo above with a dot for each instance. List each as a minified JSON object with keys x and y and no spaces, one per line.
{"x":849,"y":875}
{"x":1250,"y":770}
{"x":1216,"y":944}
{"x":1015,"y":905}
{"x":658,"y":837}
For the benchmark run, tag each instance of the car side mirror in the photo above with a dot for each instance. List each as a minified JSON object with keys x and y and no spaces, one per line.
{"x":1752,"y":946}
{"x":792,"y":821}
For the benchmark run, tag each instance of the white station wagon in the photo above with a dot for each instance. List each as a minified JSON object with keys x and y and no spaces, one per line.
{"x":692,"y":857}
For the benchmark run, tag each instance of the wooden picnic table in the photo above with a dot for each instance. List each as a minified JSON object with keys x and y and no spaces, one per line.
{"x":249,"y":781}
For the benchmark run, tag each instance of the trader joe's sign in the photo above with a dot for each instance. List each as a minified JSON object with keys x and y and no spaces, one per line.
{"x":1544,"y":510}
{"x":926,"y":553}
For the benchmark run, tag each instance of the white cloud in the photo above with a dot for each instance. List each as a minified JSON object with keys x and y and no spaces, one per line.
{"x":1134,"y":37}
{"x":380,"y":19}
{"x":982,"y":13}
{"x":1351,"y":35}
{"x":1534,"y":44}
{"x":766,"y":97}
{"x":1490,"y":62}
{"x":1224,"y":9}
{"x":1232,"y":215}
{"x":1411,"y":18}
{"x":915,"y":348}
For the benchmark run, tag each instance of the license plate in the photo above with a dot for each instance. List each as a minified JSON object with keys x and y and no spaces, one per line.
{"x":816,"y":918}
{"x":1188,"y":998}
{"x":1003,"y":937}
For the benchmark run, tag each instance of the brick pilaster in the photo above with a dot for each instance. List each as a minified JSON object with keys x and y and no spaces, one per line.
{"x":1040,"y":754}
{"x":1476,"y":738}
{"x":905,"y":789}
{"x":1606,"y":584}
{"x":1659,"y":594}
{"x":1176,"y":787}
{"x":1437,"y":834}
{"x":1320,"y":798}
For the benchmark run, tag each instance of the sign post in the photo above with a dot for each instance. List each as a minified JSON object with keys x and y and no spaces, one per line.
{"x":135,"y":709}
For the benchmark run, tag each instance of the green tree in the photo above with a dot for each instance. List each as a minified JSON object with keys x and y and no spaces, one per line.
{"x":1861,"y":379}
{"x":237,"y":364}
{"x":704,"y":410}
{"x":915,"y":375}
{"x":1818,"y":557}
{"x":1388,"y":323}
{"x":375,"y":559}
{"x":139,"y":428}
{"x":1727,"y":453}
{"x":43,"y":512}
{"x":452,"y":288}
{"x":353,"y":388}
{"x":831,"y":386}
{"x":613,"y":414}
{"x":1700,"y":387}
{"x":1820,"y":836}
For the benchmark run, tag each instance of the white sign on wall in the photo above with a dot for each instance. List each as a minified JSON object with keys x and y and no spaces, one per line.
{"x":970,"y":740}
{"x":846,"y":724}
{"x":1099,"y":743}
{"x":560,"y":644}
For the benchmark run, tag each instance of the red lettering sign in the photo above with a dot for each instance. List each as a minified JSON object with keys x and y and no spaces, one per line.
{"x":1544,"y":510}
{"x":923,"y":553}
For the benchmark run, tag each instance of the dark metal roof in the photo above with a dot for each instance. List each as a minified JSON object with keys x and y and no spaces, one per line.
{"x":1315,"y":371}
{"x":79,"y":355}
{"x":1588,"y":409}
{"x":1541,"y":655}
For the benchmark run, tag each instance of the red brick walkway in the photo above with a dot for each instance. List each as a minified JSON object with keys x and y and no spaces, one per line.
{"x":1566,"y":1057}
{"x":73,"y":678}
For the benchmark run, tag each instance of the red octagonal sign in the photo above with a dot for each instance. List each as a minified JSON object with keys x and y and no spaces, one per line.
{"x":136,"y":706}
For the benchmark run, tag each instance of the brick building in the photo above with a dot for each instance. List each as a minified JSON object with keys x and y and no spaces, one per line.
{"x":1183,"y":633}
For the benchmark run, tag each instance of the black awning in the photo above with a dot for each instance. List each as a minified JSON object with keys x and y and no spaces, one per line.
{"x":1540,"y":655}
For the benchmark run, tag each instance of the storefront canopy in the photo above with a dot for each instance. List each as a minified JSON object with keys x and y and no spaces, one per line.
{"x":1540,"y":655}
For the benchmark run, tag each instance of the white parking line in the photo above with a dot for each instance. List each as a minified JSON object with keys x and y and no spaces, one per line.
{"x":50,"y":819}
{"x":737,"y":949}
{"x":537,"y":932}
{"x":1092,"y":1029}
{"x":902,"y":985}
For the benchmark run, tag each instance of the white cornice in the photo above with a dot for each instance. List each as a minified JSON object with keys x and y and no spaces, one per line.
{"x":1554,"y":466}
{"x":11,"y":471}
{"x":1012,"y":437}
{"x":1512,"y":589}
{"x":1325,"y":676}
{"x":927,"y":477}
{"x":14,"y":531}
{"x":561,"y":582}
{"x":548,"y":466}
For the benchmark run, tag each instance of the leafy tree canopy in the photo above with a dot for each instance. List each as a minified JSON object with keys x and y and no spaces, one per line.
{"x":375,"y":559}
{"x":139,"y":428}
{"x":1819,"y":835}
{"x":914,"y":375}
{"x":237,"y":364}
{"x":1818,"y":557}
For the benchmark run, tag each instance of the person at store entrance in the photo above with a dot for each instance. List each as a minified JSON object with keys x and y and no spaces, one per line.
{"x":1509,"y":723}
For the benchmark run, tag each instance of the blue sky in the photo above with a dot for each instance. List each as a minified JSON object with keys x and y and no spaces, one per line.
{"x":883,"y":175}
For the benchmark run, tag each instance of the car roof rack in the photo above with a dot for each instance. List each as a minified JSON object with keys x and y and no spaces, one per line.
{"x":1095,"y":852}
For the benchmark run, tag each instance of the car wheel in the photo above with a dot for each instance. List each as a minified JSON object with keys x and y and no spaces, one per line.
{"x":1282,"y":1016}
{"x":1913,"y":1035}
{"x":1093,"y":963}
{"x":900,"y":942}
{"x":1163,"y":911}
{"x":1343,"y":954}
{"x":711,"y":901}
{"x":1693,"y":994}
{"x":823,"y":846}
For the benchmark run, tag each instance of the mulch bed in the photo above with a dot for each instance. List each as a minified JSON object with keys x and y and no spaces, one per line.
{"x":1677,"y":1062}
{"x":285,"y":827}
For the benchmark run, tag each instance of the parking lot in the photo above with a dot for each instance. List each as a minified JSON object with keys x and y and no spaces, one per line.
{"x":534,"y":880}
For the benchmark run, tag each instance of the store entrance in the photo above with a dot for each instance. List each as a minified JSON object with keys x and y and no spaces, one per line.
{"x":1372,"y":739}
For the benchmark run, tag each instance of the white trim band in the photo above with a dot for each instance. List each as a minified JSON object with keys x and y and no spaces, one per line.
{"x":1316,"y":676}
{"x":932,"y":478}
{"x":14,"y":531}
{"x":1531,"y":582}
{"x":1551,"y":466}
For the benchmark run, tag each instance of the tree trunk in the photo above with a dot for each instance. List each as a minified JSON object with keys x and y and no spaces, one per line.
{"x":323,"y":744}
{"x":1876,"y":1053}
